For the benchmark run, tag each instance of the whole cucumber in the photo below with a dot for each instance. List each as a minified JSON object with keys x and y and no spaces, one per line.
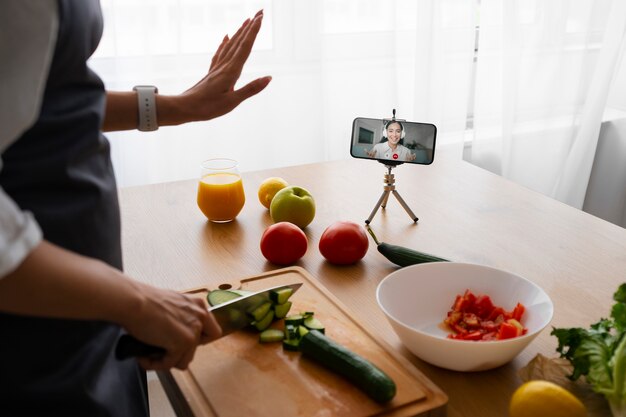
{"x":358,"y":370}
{"x":402,"y":256}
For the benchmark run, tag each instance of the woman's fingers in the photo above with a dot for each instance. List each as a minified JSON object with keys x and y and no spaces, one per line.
{"x":240,"y":49}
{"x":232,"y":42}
{"x":215,"y":60}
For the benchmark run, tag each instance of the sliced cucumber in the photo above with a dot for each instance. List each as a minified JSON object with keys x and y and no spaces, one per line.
{"x":271,"y":335}
{"x":265,"y":322}
{"x":291,"y":344}
{"x":362,"y":373}
{"x":281,"y":295}
{"x":242,"y":292}
{"x":256,"y":313}
{"x":302,"y":331}
{"x":216,"y":297}
{"x":312,"y":323}
{"x":294,"y":320}
{"x":291,"y":331}
{"x":281,"y":310}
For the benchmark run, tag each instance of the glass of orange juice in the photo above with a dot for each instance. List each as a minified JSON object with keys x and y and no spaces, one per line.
{"x":220,"y":191}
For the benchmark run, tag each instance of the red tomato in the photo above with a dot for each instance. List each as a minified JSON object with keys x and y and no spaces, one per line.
{"x":343,"y":243}
{"x":283,"y":243}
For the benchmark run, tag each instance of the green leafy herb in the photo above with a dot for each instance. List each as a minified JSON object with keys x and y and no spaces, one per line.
{"x":599,"y":353}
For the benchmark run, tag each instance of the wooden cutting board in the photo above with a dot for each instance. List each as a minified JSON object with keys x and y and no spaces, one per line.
{"x":237,"y":376}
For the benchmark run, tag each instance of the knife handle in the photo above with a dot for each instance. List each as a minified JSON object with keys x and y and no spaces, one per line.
{"x":129,"y":347}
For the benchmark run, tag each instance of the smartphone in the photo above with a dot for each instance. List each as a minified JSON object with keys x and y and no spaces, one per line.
{"x":393,"y":141}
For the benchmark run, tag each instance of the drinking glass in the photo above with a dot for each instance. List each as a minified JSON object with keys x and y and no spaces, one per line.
{"x":220,"y":190}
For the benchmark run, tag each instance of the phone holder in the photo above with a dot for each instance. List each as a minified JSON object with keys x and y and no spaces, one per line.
{"x":390,"y":188}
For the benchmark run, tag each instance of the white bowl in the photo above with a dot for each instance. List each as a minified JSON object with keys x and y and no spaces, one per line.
{"x":417,"y":298}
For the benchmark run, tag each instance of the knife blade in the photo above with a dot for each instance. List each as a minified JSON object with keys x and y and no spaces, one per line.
{"x":232,"y":315}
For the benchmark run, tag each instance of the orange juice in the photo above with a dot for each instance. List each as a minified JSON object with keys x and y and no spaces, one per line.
{"x":220,"y":196}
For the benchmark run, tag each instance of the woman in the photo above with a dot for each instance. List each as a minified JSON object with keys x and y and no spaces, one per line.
{"x":391,"y":146}
{"x":63,"y":298}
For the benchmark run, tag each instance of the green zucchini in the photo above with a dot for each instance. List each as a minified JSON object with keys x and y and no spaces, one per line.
{"x":362,"y":373}
{"x":402,"y":256}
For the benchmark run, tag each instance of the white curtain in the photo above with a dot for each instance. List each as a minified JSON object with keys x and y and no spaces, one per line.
{"x":527,"y":106}
{"x":544,"y":69}
{"x":331,"y":61}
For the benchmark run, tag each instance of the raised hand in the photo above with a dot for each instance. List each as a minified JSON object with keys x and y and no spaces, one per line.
{"x":215,"y":94}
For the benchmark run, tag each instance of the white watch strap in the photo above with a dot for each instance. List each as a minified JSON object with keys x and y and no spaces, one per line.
{"x":146,"y":102}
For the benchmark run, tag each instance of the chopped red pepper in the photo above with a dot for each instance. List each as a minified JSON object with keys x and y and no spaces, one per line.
{"x":476,"y":318}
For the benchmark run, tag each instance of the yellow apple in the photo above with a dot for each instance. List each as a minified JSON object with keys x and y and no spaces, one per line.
{"x":293,"y":204}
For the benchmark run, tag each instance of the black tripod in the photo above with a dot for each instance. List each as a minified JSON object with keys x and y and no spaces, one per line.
{"x":390,"y":188}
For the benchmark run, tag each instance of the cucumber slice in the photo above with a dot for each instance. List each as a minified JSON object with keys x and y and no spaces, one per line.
{"x":216,"y":297}
{"x":291,"y":331}
{"x":260,"y":311}
{"x":294,"y":320}
{"x":302,"y":331}
{"x":281,"y":295}
{"x":265,"y":322}
{"x":291,"y":344}
{"x":312,"y":323}
{"x":271,"y":335}
{"x":281,"y":310}
{"x":242,"y":292}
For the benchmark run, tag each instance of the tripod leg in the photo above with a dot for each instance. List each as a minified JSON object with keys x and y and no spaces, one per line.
{"x":382,"y":198}
{"x":405,"y":205}
{"x":384,"y":203}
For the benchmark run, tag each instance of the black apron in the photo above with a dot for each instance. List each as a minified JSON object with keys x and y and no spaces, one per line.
{"x":61,"y":171}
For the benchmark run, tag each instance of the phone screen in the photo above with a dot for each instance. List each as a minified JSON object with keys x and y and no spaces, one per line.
{"x":393,"y":141}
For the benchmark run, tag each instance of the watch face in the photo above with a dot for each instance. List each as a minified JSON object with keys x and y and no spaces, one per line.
{"x":146,"y":88}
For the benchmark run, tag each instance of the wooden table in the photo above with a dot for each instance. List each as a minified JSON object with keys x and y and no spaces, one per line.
{"x":465,"y":214}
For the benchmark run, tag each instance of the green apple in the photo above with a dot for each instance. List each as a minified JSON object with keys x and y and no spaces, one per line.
{"x":293,"y":204}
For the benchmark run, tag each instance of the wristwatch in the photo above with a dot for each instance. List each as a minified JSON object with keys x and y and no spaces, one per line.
{"x":146,"y":104}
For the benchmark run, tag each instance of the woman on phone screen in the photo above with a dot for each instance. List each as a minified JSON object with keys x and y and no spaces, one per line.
{"x":392,"y":145}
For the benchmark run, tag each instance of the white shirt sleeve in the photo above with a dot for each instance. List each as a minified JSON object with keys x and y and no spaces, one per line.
{"x":28,"y":31}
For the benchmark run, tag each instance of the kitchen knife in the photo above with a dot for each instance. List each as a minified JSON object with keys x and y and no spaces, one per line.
{"x":231,"y":316}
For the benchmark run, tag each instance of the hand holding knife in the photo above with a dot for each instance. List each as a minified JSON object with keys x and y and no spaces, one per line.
{"x":231,"y":316}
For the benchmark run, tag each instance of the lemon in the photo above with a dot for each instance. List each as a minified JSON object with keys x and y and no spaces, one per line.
{"x":268,"y":189}
{"x":545,"y":399}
